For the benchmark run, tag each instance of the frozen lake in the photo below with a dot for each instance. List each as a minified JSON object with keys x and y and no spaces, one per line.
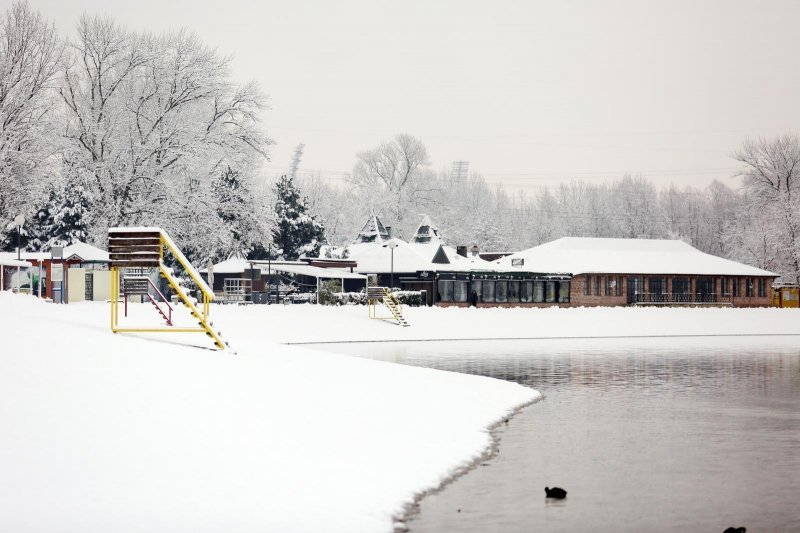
{"x":645,"y":435}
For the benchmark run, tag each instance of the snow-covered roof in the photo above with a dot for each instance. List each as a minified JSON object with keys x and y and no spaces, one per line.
{"x":578,"y":255}
{"x":6,"y":262}
{"x":313,"y":271}
{"x":237,"y":265}
{"x":77,"y":250}
{"x":373,"y":258}
{"x":373,"y":231}
{"x":85,"y":252}
{"x":426,"y":232}
{"x":233,"y":265}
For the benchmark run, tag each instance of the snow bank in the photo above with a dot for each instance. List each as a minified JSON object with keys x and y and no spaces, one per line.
{"x":104,"y":432}
{"x":315,"y":323}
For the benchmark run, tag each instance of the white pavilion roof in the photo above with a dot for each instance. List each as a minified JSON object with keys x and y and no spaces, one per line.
{"x":579,"y":255}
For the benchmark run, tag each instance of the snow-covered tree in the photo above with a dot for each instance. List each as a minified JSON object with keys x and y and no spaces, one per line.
{"x":771,"y":177}
{"x":394,"y":181}
{"x":243,"y":211}
{"x":157,"y":120}
{"x":30,"y":55}
{"x":298,"y":232}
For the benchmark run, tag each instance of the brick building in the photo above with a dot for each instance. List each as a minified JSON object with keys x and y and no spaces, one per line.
{"x":613,"y":272}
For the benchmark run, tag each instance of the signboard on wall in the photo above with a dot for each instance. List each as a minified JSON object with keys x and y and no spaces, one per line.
{"x":57,"y":273}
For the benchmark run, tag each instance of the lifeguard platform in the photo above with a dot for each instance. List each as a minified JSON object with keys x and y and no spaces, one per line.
{"x":134,"y":252}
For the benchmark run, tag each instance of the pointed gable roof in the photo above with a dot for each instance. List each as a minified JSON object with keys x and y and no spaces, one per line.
{"x":427,"y":232}
{"x":440,"y":258}
{"x":373,"y":231}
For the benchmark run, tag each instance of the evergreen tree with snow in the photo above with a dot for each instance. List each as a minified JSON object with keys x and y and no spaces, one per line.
{"x":298,"y":232}
{"x":243,"y":213}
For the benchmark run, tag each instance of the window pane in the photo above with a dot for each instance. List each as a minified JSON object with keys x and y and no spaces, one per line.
{"x":563,"y":291}
{"x":526,"y":291}
{"x":477,"y":286}
{"x":619,"y":285}
{"x":538,"y":291}
{"x":445,"y":291}
{"x":501,"y":294}
{"x":513,"y":291}
{"x":460,"y":294}
{"x":488,"y":291}
{"x":587,"y":285}
{"x":550,"y":295}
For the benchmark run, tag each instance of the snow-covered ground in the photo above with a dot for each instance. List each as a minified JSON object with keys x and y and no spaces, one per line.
{"x":102,"y":432}
{"x":313,"y":323}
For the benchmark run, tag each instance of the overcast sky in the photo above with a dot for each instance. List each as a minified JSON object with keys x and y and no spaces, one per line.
{"x":530,"y":93}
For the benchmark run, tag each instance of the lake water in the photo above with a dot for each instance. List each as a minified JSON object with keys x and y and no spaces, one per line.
{"x":644,"y":434}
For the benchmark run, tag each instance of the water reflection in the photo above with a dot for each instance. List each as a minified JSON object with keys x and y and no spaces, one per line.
{"x":646,"y":435}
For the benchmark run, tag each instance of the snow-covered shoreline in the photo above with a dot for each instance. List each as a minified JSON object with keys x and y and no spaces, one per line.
{"x":311,"y":324}
{"x":105,"y":432}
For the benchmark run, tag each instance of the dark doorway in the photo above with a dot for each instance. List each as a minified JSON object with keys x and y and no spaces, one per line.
{"x":635,"y":287}
{"x":705,"y":289}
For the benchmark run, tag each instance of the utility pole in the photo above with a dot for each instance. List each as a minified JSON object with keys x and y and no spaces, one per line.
{"x":460,"y":170}
{"x":298,"y":155}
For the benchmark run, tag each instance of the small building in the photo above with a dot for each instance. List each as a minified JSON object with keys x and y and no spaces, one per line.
{"x":786,"y":295}
{"x":613,"y":272}
{"x":246,"y":280}
{"x":83,"y":268}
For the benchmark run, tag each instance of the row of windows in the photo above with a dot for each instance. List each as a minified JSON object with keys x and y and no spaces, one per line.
{"x":503,"y":291}
{"x":611,"y":285}
{"x":729,"y":286}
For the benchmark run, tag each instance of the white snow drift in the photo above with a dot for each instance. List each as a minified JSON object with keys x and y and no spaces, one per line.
{"x":104,"y":432}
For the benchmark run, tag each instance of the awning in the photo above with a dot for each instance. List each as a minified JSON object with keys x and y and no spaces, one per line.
{"x":312,"y":271}
{"x":14,"y":263}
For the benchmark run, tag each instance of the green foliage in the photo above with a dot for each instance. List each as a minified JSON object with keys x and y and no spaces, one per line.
{"x":297,"y":232}
{"x":328,"y":292}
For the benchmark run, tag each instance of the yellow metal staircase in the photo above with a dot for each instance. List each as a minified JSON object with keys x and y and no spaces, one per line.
{"x":385,"y":296}
{"x":144,"y":248}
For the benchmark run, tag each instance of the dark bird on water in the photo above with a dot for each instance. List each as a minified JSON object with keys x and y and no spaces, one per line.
{"x":732,"y":529}
{"x":555,"y":492}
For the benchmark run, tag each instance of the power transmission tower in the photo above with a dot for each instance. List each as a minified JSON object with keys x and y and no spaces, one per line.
{"x":460,"y":170}
{"x":298,"y":155}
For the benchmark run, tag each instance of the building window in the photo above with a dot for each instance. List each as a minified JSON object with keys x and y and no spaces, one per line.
{"x":550,"y":292}
{"x":563,"y":291}
{"x":619,"y":286}
{"x":658,"y":285}
{"x":725,"y":288}
{"x":513,"y":291}
{"x":587,"y":285}
{"x":681,"y":286}
{"x":735,"y":287}
{"x":445,"y":291}
{"x":460,"y":291}
{"x":488,"y":291}
{"x":538,"y":291}
{"x":501,"y":291}
{"x":477,"y":286}
{"x":597,"y":285}
{"x":748,"y":287}
{"x":762,"y":287}
{"x":526,"y":291}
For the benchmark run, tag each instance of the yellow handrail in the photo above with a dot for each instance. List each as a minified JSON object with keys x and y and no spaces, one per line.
{"x":166,"y":240}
